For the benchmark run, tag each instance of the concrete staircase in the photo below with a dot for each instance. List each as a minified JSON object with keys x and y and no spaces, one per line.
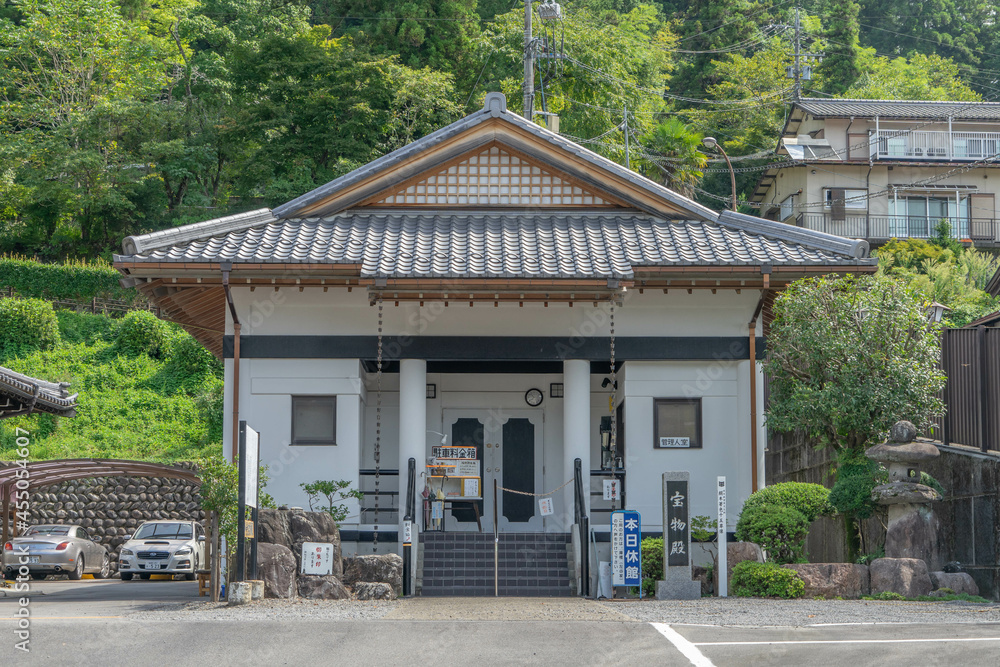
{"x":461,"y":564}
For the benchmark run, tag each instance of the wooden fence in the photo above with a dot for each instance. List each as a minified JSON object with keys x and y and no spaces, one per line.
{"x":94,"y":305}
{"x":971,"y":360}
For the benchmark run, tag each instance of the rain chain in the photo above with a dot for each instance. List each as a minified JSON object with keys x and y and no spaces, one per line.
{"x":614,"y":404}
{"x":378,"y":422}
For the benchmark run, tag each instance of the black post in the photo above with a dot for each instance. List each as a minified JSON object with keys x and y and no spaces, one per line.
{"x":242,"y":512}
{"x":583,"y":523}
{"x":411,"y":468}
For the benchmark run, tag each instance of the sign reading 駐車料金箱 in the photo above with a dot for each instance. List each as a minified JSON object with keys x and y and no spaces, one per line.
{"x":452,"y":452}
{"x":626,"y":548}
{"x":317,"y":558}
{"x":676,"y":538}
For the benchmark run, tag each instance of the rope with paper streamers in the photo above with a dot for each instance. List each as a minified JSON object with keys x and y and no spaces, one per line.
{"x":537,"y":495}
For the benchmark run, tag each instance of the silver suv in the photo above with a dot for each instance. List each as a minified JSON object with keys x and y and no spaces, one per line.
{"x":163,"y":547}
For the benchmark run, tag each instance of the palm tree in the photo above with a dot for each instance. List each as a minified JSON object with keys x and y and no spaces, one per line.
{"x":673,"y":156}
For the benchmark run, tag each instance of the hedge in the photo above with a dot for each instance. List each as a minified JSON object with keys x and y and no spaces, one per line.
{"x":72,"y":280}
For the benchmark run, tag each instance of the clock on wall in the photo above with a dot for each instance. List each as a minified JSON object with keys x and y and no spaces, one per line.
{"x":533,"y":397}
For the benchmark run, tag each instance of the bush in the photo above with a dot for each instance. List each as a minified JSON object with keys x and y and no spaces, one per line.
{"x":187,"y":356}
{"x":857,"y":475}
{"x":73,"y":280}
{"x":780,"y":531}
{"x":812,"y":500}
{"x":652,"y":564}
{"x":84,"y":328}
{"x":766,"y":580}
{"x":141,"y":332}
{"x":27,"y":325}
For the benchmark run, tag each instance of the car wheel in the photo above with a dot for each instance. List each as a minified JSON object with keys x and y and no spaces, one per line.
{"x":105,"y":568}
{"x":38,"y":576}
{"x":126,"y":576}
{"x":77,"y":572}
{"x":144,"y":577}
{"x":194,"y":570}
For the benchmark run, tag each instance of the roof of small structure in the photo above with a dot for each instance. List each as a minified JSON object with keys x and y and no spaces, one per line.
{"x":21,"y":395}
{"x":901,"y":109}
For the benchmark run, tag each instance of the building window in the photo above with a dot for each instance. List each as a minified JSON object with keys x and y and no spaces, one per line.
{"x":314,"y":420}
{"x":787,"y":208}
{"x":677,"y":423}
{"x":849,"y":199}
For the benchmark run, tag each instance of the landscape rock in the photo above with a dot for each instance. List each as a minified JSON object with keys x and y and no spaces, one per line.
{"x":292,"y":528}
{"x":913,"y":534}
{"x":960,"y":582}
{"x":384,"y":568}
{"x":700,"y":573}
{"x":737,"y":552}
{"x":239,"y":593}
{"x":277,"y":568}
{"x":322,"y":587}
{"x":374,"y":590}
{"x":833,"y":580}
{"x":906,"y":576}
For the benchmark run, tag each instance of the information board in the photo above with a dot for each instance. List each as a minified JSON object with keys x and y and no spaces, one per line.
{"x":317,"y":558}
{"x":626,"y":549}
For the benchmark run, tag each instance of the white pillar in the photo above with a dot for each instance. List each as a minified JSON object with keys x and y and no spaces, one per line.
{"x":576,"y":428}
{"x":412,"y":428}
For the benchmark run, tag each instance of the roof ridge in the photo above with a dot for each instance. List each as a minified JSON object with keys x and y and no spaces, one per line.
{"x":856,"y":248}
{"x":872,"y":101}
{"x":136,"y":245}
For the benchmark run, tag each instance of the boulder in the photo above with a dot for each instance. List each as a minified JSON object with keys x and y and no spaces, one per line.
{"x":833,"y":580}
{"x":374,"y":590}
{"x":960,"y":582}
{"x":277,"y":568}
{"x":384,"y":568}
{"x":737,"y":552}
{"x":700,"y":573}
{"x":292,"y":528}
{"x":322,"y":587}
{"x":906,"y":576}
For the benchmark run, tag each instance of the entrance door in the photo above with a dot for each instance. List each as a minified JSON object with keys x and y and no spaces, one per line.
{"x":508,"y":444}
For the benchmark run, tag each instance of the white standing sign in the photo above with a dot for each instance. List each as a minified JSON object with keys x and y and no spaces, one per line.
{"x":253,"y":464}
{"x":722,"y":541}
{"x":317,"y":558}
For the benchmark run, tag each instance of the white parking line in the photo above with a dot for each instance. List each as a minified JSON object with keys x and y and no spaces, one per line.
{"x":847,"y":641}
{"x":688,"y":649}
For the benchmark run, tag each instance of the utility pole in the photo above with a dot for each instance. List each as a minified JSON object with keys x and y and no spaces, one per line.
{"x":625,"y":114}
{"x":529,"y":65}
{"x":797,"y":93}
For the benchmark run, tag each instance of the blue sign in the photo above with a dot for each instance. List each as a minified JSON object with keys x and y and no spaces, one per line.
{"x":626,"y":549}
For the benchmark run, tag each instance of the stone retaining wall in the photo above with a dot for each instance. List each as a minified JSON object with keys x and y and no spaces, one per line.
{"x":113,"y":507}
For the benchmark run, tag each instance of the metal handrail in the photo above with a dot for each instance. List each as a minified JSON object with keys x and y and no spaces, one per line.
{"x":411,"y":505}
{"x":583,"y":526}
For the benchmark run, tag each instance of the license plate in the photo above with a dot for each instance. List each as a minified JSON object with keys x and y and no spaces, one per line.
{"x":153,"y":566}
{"x":33,"y":559}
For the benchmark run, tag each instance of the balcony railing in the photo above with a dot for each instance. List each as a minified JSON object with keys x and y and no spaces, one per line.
{"x":934,"y":145}
{"x":884,"y":227}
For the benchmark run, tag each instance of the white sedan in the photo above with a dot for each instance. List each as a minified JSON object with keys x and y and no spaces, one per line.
{"x":163,"y":547}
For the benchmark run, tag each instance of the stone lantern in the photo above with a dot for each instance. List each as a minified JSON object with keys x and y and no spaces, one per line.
{"x":913,"y":526}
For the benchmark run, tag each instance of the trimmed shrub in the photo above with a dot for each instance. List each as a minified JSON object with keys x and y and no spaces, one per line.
{"x":27,"y":325}
{"x":812,"y":500}
{"x":766,"y":580}
{"x":780,"y":531}
{"x":73,"y":279}
{"x":141,"y":332}
{"x":857,"y":475}
{"x":652,"y":564}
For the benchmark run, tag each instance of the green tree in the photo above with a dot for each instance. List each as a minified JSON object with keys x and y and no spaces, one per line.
{"x":848,"y":357}
{"x":839,"y":68}
{"x":673,"y":156}
{"x":919,"y":77}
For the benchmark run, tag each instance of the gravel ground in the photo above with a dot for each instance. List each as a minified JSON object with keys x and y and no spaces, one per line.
{"x":798,"y":613}
{"x":272,"y":610}
{"x":733,"y":612}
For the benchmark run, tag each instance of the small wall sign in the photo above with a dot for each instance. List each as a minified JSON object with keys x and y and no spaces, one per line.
{"x":611,"y":489}
{"x":671,"y":443}
{"x":545,"y":507}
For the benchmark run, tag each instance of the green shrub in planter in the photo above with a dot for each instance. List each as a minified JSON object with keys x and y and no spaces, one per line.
{"x":652,"y":564}
{"x":765,"y":580}
{"x":27,"y":325}
{"x":141,"y":332}
{"x":780,"y":531}
{"x":812,"y":500}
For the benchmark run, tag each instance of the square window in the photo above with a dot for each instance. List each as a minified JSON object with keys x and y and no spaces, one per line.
{"x":314,"y":420}
{"x":677,"y":423}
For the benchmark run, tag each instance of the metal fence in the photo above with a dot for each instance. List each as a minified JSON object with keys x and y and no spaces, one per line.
{"x":94,"y":305}
{"x":971,"y":360}
{"x":884,"y":227}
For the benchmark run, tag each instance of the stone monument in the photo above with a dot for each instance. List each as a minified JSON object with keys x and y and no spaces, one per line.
{"x":913,"y":525}
{"x":677,"y":583}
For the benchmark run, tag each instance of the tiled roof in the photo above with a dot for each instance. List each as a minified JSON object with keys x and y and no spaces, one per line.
{"x":910,"y":109}
{"x":448,"y":243}
{"x":19,"y":393}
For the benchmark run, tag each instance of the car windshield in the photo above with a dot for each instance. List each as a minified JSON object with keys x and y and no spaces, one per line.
{"x":164,"y":531}
{"x":48,"y":530}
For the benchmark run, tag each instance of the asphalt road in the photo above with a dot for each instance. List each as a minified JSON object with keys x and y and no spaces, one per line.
{"x":81,"y":622}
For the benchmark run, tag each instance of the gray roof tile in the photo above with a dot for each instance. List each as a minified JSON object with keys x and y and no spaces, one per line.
{"x":465,"y":244}
{"x":910,"y":109}
{"x":18,"y":391}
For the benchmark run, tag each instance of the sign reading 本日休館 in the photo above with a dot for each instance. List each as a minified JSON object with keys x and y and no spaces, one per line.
{"x":677,"y":533}
{"x":626,"y":548}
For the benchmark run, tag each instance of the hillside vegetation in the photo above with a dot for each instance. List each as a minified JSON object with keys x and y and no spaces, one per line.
{"x":147,"y":390}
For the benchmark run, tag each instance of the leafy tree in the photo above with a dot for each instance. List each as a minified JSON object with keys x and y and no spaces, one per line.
{"x":919,"y":77}
{"x":839,"y":68}
{"x":674,"y":156}
{"x":325,"y":496}
{"x":848,"y":357}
